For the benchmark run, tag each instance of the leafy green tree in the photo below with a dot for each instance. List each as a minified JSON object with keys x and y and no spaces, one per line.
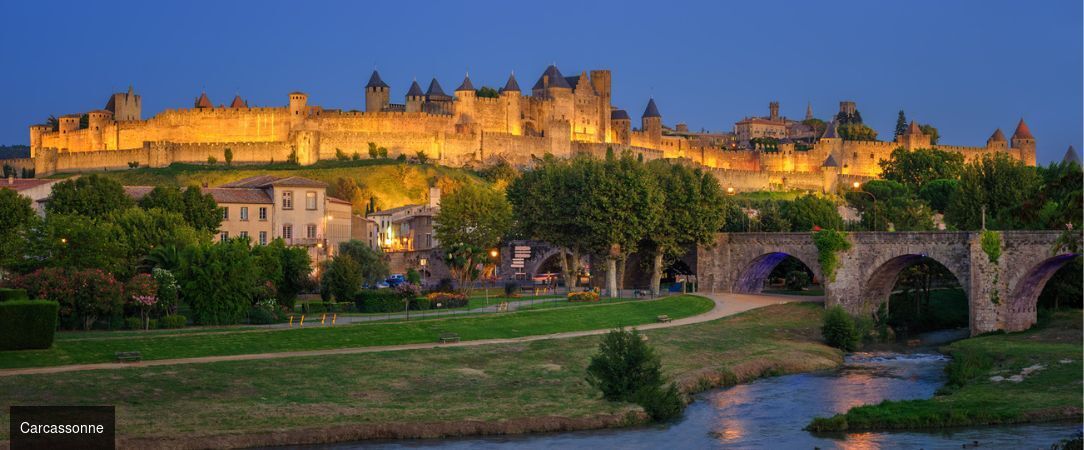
{"x":487,"y":92}
{"x":931,"y":131}
{"x":809,"y":211}
{"x":421,"y":157}
{"x":997,"y":183}
{"x":373,"y":266}
{"x":817,"y":125}
{"x":227,"y":155}
{"x":168,"y":198}
{"x":895,"y":208}
{"x":17,"y":218}
{"x":463,"y":260}
{"x":770,"y":217}
{"x":624,"y":365}
{"x":140,"y":231}
{"x":915,"y":168}
{"x":76,"y":242}
{"x":1060,"y":198}
{"x":341,"y":278}
{"x":901,"y":124}
{"x":694,"y":206}
{"x":857,"y":132}
{"x":474,"y":215}
{"x":374,"y":153}
{"x":200,"y":210}
{"x":622,"y":203}
{"x":218,"y":280}
{"x":737,"y":220}
{"x":937,"y":193}
{"x":92,"y":196}
{"x":839,"y":329}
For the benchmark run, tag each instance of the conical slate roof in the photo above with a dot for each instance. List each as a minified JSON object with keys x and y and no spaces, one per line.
{"x":466,"y":85}
{"x":914,"y":128}
{"x":1071,"y":156}
{"x":203,"y":101}
{"x":651,"y":110}
{"x":830,"y":131}
{"x":435,"y":92}
{"x":511,"y":85}
{"x":998,"y":136}
{"x":619,"y":114}
{"x":555,"y":79}
{"x":237,"y":102}
{"x":1022,"y":131}
{"x":830,"y":162}
{"x":375,"y":81}
{"x":415,"y":90}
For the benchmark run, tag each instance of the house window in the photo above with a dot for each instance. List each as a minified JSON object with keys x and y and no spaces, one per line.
{"x":310,"y":200}
{"x":226,"y":213}
{"x":243,"y":234}
{"x":288,"y":200}
{"x":310,"y":231}
{"x":263,"y":214}
{"x":287,"y":231}
{"x":224,"y":236}
{"x":244,"y":214}
{"x":263,"y":238}
{"x":428,"y":240}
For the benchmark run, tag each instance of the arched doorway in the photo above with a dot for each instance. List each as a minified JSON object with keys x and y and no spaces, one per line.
{"x":770,"y":272}
{"x":1024,"y":301}
{"x":914,"y":293}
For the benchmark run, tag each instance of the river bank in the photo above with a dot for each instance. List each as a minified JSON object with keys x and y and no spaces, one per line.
{"x":508,"y":388}
{"x":1027,"y":377}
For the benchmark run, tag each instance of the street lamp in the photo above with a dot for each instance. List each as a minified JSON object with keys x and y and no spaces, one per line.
{"x":730,"y":190}
{"x":873,"y":222}
{"x":493,"y":260}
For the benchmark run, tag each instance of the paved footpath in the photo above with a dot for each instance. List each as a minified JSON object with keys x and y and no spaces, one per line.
{"x":726,"y":304}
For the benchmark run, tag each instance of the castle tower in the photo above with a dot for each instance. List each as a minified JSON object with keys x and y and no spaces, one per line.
{"x":511,"y":96}
{"x":36,"y":131}
{"x":97,"y":119}
{"x":465,"y":89}
{"x":621,"y":127}
{"x":298,"y":110}
{"x":808,"y":111}
{"x":651,"y":123}
{"x":125,"y":106}
{"x":847,"y":107}
{"x":601,"y":82}
{"x":830,"y":175}
{"x":238,"y":102}
{"x":437,"y":101}
{"x":203,"y":101}
{"x":773,"y":111}
{"x":465,"y":97}
{"x":914,"y":138}
{"x":997,"y":141}
{"x":68,"y":123}
{"x":1070,"y":156}
{"x":377,"y":94}
{"x":1024,"y":142}
{"x":415,"y":98}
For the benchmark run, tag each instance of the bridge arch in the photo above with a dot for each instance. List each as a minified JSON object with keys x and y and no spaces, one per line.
{"x":886,"y":272}
{"x":750,"y":279}
{"x":1024,"y":299}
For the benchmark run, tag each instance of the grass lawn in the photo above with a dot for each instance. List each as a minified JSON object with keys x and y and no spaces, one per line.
{"x":564,"y":303}
{"x":91,"y":350}
{"x":813,"y":291}
{"x":972,"y":398}
{"x":416,"y":388}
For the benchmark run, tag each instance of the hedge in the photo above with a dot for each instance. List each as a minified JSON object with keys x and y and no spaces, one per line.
{"x":173,"y":321}
{"x":27,"y":324}
{"x":13,"y":294}
{"x":379,"y":300}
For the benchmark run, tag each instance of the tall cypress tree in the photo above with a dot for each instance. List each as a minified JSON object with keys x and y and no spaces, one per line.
{"x":901,"y":124}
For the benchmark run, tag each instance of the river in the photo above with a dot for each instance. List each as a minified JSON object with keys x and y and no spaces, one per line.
{"x":771,"y":412}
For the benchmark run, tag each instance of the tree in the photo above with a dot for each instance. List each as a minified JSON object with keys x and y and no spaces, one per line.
{"x":341,"y":278}
{"x":694,"y":206}
{"x":915,"y":168}
{"x":937,"y":193}
{"x":227,"y":155}
{"x":200,"y":210}
{"x":463,"y":261}
{"x":422,"y":157}
{"x":626,"y":368}
{"x":76,"y":242}
{"x":91,"y":196}
{"x":901,"y":124}
{"x":895,"y":208}
{"x":487,"y":92}
{"x":931,"y":131}
{"x":373,"y":152}
{"x":17,"y":218}
{"x":622,"y":203}
{"x":857,"y":132}
{"x":473,"y":215}
{"x":808,"y":212}
{"x":818,"y":126}
{"x":217,"y":281}
{"x":140,"y":231}
{"x":998,"y":183}
{"x":373,"y":267}
{"x":770,"y":218}
{"x":839,"y":329}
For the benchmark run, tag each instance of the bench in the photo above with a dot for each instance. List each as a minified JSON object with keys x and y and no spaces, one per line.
{"x":129,"y":356}
{"x":663,"y":318}
{"x":449,"y":337}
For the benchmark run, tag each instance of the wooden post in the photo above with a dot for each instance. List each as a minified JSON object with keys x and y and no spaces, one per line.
{"x":291,"y":320}
{"x":301,"y":324}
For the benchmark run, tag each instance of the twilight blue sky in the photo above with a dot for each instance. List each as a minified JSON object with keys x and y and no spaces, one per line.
{"x":967,"y":67}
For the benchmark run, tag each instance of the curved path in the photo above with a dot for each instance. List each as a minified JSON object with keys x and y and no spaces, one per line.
{"x":726,"y":304}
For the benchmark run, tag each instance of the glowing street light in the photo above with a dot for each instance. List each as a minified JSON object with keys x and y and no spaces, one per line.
{"x":873,"y":222}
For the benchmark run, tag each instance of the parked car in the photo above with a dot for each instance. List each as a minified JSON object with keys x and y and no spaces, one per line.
{"x":395,"y":280}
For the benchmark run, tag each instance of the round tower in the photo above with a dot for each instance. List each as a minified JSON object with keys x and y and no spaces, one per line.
{"x":298,"y":111}
{"x":377,"y":94}
{"x":1024,"y":143}
{"x":415,"y":98}
{"x":651,"y":123}
{"x":510,"y":95}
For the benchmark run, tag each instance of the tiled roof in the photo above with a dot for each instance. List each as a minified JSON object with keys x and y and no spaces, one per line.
{"x":511,"y":85}
{"x":466,"y":85}
{"x":337,"y":200}
{"x":1071,"y":156}
{"x":375,"y":81}
{"x":435,"y":92}
{"x":238,"y":103}
{"x":263,"y":181}
{"x":415,"y":90}
{"x":1022,"y":131}
{"x":555,"y":79}
{"x":914,"y":128}
{"x":651,"y":110}
{"x":22,"y":184}
{"x":830,"y":162}
{"x":998,"y":136}
{"x":830,"y":131}
{"x":619,"y":114}
{"x":390,"y":211}
{"x":221,"y":195}
{"x":203,"y":101}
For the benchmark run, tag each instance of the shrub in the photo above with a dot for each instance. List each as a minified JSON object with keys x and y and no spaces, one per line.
{"x":133,"y":323}
{"x":624,"y":365}
{"x":378,"y":300}
{"x":839,"y":329}
{"x":217,"y":281}
{"x":259,"y":315}
{"x":173,"y":321}
{"x":413,"y":277}
{"x":13,"y":294}
{"x":27,"y":324}
{"x":587,"y":296}
{"x":829,"y":243}
{"x":661,"y":404}
{"x":444,"y":300}
{"x":445,"y":285}
{"x":967,"y":365}
{"x":344,"y":307}
{"x":510,"y":289}
{"x":314,"y":307}
{"x":991,"y":245}
{"x":797,"y":280}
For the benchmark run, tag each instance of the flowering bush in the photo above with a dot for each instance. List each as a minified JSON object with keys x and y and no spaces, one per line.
{"x":83,"y":295}
{"x":446,"y":299}
{"x":589,"y":296}
{"x":408,"y":290}
{"x":146,"y":305}
{"x":167,"y":291}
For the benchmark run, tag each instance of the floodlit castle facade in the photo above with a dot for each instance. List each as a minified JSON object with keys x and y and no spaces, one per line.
{"x":560,"y":115}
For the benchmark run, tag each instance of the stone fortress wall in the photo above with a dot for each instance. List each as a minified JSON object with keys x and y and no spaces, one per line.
{"x":560,"y":115}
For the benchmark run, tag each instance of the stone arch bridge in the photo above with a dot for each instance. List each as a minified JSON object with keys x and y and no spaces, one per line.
{"x":1002,"y":295}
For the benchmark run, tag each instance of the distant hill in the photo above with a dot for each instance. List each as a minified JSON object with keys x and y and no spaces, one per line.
{"x":14,"y":151}
{"x":392,"y":183}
